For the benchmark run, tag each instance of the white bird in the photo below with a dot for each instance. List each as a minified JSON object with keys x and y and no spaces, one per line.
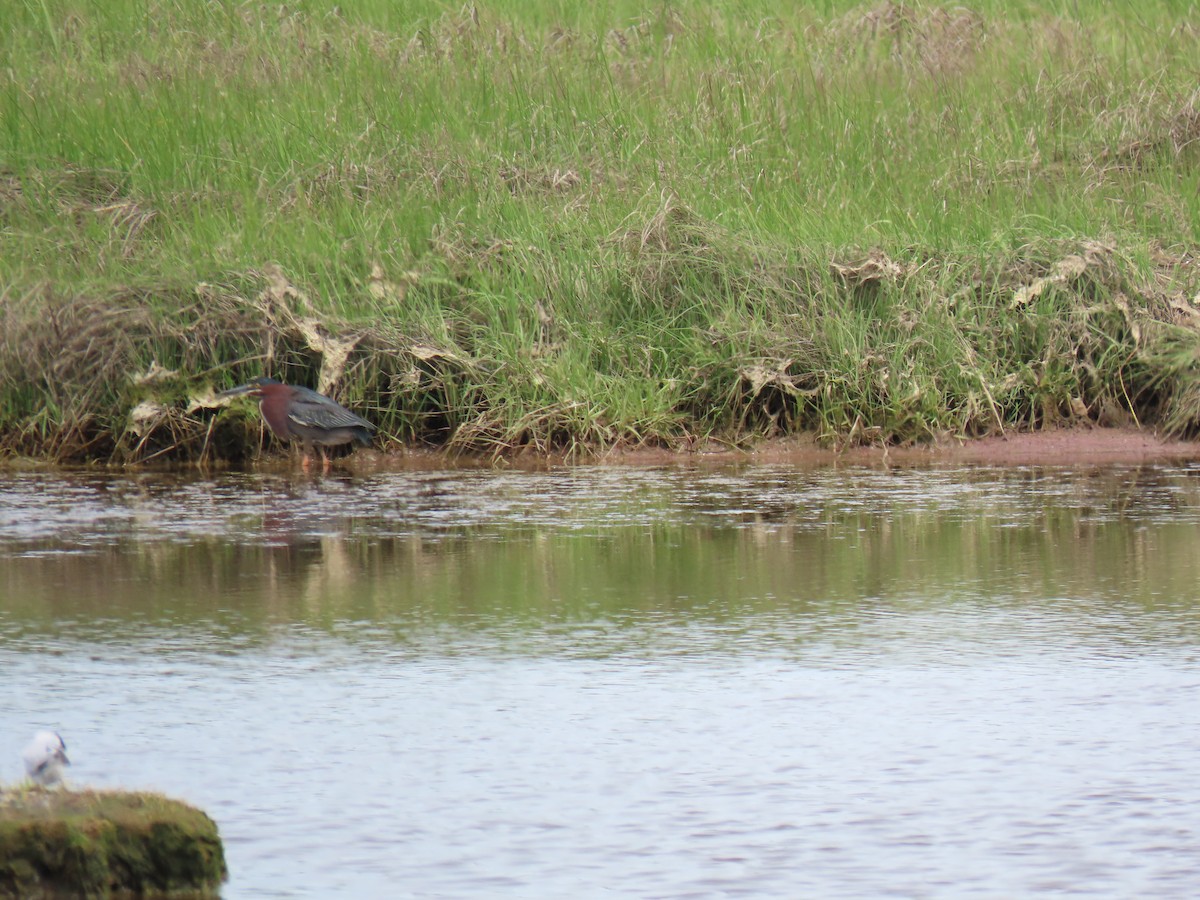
{"x":45,"y":756}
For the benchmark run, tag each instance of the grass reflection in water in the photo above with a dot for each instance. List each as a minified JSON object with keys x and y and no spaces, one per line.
{"x":732,"y":550}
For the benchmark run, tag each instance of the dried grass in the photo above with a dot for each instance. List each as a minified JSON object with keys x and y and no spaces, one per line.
{"x":919,"y":40}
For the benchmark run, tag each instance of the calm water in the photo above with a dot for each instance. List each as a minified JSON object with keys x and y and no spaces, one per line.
{"x":757,"y":681}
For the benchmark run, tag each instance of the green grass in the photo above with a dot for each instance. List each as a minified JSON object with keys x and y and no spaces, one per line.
{"x":560,"y":225}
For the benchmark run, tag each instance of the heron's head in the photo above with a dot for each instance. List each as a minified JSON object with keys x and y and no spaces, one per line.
{"x":255,"y":387}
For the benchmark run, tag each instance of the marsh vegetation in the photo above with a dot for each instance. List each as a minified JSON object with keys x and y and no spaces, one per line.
{"x":567,"y":227}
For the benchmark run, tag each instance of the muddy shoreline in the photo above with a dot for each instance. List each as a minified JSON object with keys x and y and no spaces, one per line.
{"x":1051,"y":447}
{"x":1054,"y":447}
{"x":1068,"y":446}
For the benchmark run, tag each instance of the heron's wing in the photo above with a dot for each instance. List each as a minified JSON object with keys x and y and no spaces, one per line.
{"x":310,"y":409}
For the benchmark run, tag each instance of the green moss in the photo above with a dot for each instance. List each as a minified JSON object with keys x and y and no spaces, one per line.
{"x":102,"y":843}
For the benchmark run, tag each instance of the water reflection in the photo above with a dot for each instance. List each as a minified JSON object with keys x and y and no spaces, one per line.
{"x":480,"y":551}
{"x":659,"y":682}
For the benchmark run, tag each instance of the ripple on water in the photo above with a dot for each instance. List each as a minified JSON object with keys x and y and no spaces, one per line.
{"x":661,"y":682}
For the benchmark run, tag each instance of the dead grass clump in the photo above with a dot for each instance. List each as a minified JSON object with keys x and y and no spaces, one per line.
{"x":70,"y":367}
{"x":432,"y":169}
{"x":771,"y":391}
{"x":933,"y":40}
{"x":125,"y":221}
{"x":1089,"y":334}
{"x":1184,"y":126}
{"x":461,"y":33}
{"x":130,"y":378}
{"x":1168,"y":345}
{"x":564,"y":427}
{"x":348,"y":180}
{"x":873,"y":270}
{"x":522,"y":179}
{"x":85,"y":196}
{"x":674,"y":258}
{"x":56,"y":362}
{"x":70,"y":190}
{"x":653,"y":36}
{"x":77,"y":186}
{"x":1094,"y":261}
{"x":11,"y":190}
{"x":1156,"y":127}
{"x":137,"y":73}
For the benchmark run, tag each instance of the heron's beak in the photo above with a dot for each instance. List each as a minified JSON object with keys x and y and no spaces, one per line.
{"x":239,"y":390}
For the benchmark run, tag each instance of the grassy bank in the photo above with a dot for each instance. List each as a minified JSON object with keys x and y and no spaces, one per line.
{"x":532,"y":225}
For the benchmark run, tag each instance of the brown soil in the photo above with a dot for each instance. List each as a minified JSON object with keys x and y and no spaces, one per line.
{"x":1069,"y":446}
{"x":1053,"y":447}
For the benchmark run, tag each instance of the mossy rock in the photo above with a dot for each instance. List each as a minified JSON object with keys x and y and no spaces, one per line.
{"x":61,"y":843}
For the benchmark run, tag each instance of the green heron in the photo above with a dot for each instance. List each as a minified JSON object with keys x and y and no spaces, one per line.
{"x":296,"y":413}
